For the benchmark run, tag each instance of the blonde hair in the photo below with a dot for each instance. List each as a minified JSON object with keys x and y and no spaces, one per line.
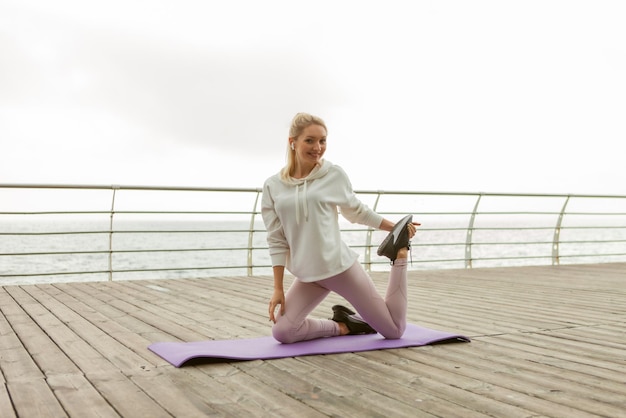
{"x":298,"y":124}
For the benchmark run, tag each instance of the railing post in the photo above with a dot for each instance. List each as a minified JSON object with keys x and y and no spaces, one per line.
{"x":368,"y":239}
{"x":556,"y":239}
{"x":114,"y":187}
{"x":251,"y":233}
{"x":470,"y":231}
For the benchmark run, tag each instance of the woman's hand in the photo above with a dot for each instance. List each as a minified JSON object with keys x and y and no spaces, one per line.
{"x":278,"y":298}
{"x":387,"y":225}
{"x":413,"y":229}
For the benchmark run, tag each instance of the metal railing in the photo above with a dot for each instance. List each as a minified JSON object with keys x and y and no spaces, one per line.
{"x":60,"y":232}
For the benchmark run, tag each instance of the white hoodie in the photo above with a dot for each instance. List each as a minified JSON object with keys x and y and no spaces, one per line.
{"x":301,"y":218}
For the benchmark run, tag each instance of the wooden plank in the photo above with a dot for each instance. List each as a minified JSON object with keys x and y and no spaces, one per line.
{"x":33,"y":398}
{"x":323,"y":391}
{"x":89,"y":296}
{"x":481,"y":380}
{"x":175,"y":396}
{"x":546,"y":347}
{"x":203,"y":296}
{"x":26,"y":392}
{"x":15,"y":360}
{"x":388,"y":377}
{"x":6,"y":405}
{"x":125,"y":395}
{"x":117,"y":388}
{"x":8,"y":341}
{"x":548,"y":341}
{"x":509,"y":303}
{"x":102,"y":334}
{"x":74,"y":391}
{"x":48,"y":357}
{"x":571,"y":375}
{"x":151,"y":314}
{"x":78,"y":396}
{"x":560,"y":391}
{"x":81,"y":352}
{"x":401,"y":397}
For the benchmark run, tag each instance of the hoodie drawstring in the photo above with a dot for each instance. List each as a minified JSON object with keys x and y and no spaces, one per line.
{"x":306,"y":204}
{"x":297,"y":205}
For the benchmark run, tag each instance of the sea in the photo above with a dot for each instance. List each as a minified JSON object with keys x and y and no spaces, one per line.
{"x":79,"y":250}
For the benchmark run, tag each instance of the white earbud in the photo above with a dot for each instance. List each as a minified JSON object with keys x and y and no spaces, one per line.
{"x":292,"y":147}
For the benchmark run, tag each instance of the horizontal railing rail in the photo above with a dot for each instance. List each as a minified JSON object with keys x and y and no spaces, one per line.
{"x":125,"y":232}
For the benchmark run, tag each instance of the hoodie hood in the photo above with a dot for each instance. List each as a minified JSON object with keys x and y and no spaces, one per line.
{"x":318,"y":171}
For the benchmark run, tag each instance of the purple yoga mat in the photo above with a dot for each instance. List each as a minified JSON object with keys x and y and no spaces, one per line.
{"x":268,"y":348}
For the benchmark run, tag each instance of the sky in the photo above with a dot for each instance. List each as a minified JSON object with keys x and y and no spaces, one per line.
{"x":465,"y":96}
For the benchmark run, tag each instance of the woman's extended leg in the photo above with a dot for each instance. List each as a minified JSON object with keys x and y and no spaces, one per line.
{"x":387,"y":316}
{"x":300,"y":300}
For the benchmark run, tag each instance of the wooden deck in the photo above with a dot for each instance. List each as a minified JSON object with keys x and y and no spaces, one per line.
{"x":546,"y":341}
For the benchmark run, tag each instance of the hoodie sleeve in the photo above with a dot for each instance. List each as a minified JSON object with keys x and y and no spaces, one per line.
{"x":278,"y":246}
{"x":351,"y":207}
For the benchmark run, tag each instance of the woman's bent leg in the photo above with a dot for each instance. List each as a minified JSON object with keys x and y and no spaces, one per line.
{"x":300,"y":300}
{"x":387,"y":316}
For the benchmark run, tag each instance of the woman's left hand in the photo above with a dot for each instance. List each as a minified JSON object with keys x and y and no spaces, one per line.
{"x":413,"y":229}
{"x":278,"y":298}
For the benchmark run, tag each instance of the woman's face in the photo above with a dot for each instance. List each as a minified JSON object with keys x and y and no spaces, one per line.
{"x":311,"y":144}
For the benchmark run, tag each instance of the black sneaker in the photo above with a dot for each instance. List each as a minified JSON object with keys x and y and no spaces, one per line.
{"x":397,"y":238}
{"x":355,"y":325}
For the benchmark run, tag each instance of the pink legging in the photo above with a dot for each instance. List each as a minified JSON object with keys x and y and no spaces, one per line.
{"x":387,"y":316}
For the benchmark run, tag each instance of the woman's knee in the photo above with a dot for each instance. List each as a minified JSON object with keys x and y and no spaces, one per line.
{"x":395,"y":334}
{"x":283,"y":332}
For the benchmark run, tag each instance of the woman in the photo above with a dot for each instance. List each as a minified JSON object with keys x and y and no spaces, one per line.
{"x":300,"y":209}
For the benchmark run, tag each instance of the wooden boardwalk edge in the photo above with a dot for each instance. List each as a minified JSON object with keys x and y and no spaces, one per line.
{"x":546,"y":341}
